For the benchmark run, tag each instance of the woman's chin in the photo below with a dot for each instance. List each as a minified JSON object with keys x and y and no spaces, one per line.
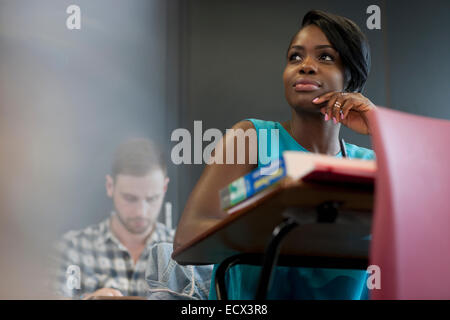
{"x":305,"y":106}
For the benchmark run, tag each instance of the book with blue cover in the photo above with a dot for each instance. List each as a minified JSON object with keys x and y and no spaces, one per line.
{"x":252,"y":183}
{"x":308,"y":167}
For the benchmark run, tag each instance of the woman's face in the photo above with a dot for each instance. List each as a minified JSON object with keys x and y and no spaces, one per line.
{"x":313,"y":68}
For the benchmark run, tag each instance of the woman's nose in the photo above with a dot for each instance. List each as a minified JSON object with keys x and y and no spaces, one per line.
{"x":308,"y":66}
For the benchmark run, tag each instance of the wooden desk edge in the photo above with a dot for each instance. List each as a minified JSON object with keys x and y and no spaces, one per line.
{"x":233,"y":214}
{"x":237,"y":211}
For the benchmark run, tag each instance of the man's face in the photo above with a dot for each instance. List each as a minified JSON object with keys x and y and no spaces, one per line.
{"x":137,"y":200}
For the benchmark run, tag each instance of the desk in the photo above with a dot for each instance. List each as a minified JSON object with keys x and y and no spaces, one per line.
{"x":250,"y":225}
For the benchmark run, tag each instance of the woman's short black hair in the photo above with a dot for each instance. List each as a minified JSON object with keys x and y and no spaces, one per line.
{"x":349,"y":41}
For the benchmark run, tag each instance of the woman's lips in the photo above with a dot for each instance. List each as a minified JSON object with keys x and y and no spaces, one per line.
{"x":306,"y":84}
{"x":306,"y":87}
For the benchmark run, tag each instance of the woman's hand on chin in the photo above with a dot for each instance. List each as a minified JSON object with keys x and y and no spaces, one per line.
{"x":347,"y":108}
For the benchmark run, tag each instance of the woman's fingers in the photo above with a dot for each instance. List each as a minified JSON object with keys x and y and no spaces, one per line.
{"x":337,"y":109}
{"x":332,"y":109}
{"x":331,"y":106}
{"x":323,"y":98}
{"x":345,"y":109}
{"x":340,"y":104}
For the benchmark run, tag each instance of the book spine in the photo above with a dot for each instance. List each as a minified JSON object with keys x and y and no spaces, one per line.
{"x":252,"y":183}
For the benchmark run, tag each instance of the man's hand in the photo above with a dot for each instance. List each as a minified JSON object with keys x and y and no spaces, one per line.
{"x":104,"y":292}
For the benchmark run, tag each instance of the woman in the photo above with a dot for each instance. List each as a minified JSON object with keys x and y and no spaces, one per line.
{"x":328,"y":62}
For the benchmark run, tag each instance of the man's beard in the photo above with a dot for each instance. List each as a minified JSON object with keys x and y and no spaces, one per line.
{"x":135,"y":225}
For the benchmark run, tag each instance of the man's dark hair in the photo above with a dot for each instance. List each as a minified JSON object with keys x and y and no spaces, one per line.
{"x":349,"y":41}
{"x":138,"y":157}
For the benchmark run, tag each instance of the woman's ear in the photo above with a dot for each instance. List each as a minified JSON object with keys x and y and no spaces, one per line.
{"x":109,"y":184}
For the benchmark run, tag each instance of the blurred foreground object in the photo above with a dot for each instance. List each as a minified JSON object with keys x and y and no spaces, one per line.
{"x":410,"y":242}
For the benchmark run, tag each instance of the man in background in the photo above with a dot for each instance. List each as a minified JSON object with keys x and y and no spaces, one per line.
{"x":110,"y":258}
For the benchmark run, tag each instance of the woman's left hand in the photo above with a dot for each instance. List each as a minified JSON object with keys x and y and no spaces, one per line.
{"x":350,"y":109}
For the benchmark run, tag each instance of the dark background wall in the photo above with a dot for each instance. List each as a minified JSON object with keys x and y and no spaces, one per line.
{"x":145,"y":68}
{"x":417,"y":47}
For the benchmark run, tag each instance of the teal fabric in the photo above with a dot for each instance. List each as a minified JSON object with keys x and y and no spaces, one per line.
{"x":296,"y":283}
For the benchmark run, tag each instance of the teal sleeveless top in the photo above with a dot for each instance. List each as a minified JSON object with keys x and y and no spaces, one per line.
{"x":290,"y":283}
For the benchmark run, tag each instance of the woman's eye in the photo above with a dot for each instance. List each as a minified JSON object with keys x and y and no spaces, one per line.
{"x":326,"y":57}
{"x":295,"y":57}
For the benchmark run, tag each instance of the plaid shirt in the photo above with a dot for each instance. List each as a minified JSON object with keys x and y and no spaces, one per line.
{"x":93,"y":258}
